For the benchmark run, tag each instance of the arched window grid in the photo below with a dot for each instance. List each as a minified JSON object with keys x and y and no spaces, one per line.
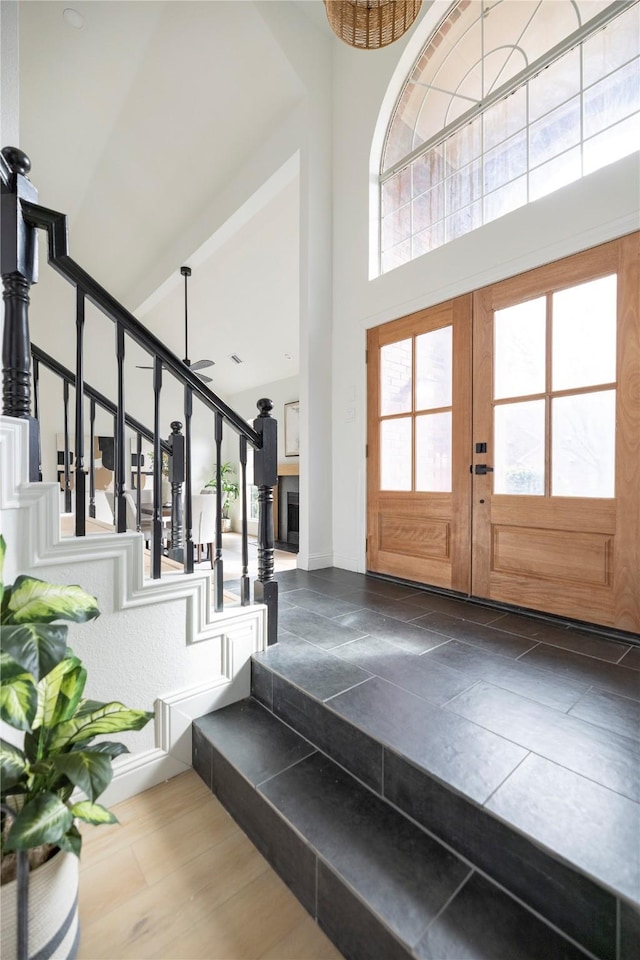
{"x":448,"y":221}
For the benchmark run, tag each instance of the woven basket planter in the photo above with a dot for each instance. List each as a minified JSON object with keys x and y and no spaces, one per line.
{"x":53,"y":911}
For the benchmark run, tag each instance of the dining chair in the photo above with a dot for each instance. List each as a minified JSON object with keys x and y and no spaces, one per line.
{"x":203,"y":524}
{"x":146,"y":523}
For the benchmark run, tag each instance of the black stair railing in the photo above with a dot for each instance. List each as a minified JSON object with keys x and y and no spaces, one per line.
{"x":22,"y":216}
{"x":71,"y":459}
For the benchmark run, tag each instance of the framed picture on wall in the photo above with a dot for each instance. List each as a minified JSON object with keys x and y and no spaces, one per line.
{"x":292,"y":429}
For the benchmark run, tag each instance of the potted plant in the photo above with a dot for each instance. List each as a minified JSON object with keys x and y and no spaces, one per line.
{"x":166,"y":486}
{"x":230,"y":491}
{"x":51,"y":755}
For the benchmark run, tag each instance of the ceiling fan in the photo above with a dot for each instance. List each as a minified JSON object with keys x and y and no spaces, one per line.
{"x":199,"y":364}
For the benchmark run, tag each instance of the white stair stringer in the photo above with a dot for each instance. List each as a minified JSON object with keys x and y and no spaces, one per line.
{"x":31,"y":528}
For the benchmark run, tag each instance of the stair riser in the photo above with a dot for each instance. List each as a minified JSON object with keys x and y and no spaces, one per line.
{"x":566,"y":898}
{"x":572,"y":902}
{"x":284,"y":850}
{"x":353,"y":928}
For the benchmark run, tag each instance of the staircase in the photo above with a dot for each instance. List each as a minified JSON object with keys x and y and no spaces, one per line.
{"x":22,"y":218}
{"x":166,"y":639}
{"x":407,"y":829}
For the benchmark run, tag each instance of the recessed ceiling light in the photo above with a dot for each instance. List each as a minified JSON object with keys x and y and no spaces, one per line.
{"x":287,"y":356}
{"x":73,"y":18}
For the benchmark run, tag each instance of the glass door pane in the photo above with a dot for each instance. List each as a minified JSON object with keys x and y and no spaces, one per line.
{"x":584,"y":334}
{"x":433,"y":452}
{"x":583,"y":455}
{"x":519,"y":349}
{"x":433,"y":369}
{"x":396,"y":378}
{"x":519,"y":445}
{"x":395,"y":454}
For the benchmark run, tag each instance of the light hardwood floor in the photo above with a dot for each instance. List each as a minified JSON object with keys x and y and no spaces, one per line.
{"x":178,"y":879}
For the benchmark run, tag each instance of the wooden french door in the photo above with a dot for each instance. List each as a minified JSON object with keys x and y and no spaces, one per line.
{"x":556,"y":369}
{"x":525,"y":489}
{"x":419,"y":433}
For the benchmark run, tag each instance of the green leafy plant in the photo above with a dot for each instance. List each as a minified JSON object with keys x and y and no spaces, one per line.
{"x":164,"y":469}
{"x":230,"y":487}
{"x":41,"y":696}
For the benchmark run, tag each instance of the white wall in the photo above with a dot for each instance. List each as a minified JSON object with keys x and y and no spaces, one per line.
{"x":309,"y":52}
{"x":244,"y":403}
{"x":598,"y":208}
{"x":280,"y":392}
{"x":9,"y":115}
{"x":306,"y":130}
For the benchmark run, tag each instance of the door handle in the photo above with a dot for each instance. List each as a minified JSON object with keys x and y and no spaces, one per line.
{"x":482,"y":468}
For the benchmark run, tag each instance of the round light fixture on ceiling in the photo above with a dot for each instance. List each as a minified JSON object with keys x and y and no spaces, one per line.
{"x":371,"y":24}
{"x":73,"y":17}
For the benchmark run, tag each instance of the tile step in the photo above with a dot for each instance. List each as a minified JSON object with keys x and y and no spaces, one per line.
{"x":475,"y":822}
{"x":379,"y":885}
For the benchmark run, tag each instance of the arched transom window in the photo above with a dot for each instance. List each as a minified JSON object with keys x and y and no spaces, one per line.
{"x":507,"y":101}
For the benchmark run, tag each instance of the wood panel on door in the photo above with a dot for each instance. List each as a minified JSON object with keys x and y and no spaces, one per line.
{"x":419,"y":396}
{"x":556,"y":515}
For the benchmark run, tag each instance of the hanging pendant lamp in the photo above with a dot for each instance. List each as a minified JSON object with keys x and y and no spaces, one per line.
{"x":371,"y":24}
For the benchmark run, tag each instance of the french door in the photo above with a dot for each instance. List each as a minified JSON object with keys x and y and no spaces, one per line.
{"x":419,"y":433}
{"x":504,"y":441}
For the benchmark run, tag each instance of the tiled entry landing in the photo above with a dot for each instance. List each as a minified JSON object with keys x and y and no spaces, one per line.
{"x":513,"y":743}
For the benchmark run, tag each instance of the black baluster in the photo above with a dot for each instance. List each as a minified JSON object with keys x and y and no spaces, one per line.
{"x":218,"y":592}
{"x":138,"y":479}
{"x":245,"y":587}
{"x":156,"y":546}
{"x":19,"y":269}
{"x":36,"y":409}
{"x":266,"y":476}
{"x":121,"y":504}
{"x":113,"y":467}
{"x":188,"y":511}
{"x":92,"y":459}
{"x":81,"y":476}
{"x":67,"y":455}
{"x":176,"y":477}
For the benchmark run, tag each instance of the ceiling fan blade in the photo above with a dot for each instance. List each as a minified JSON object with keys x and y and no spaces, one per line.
{"x":201,"y":364}
{"x":202,"y":377}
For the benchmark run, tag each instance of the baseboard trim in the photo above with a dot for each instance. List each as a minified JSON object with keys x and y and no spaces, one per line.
{"x":349,"y":563}
{"x":315,"y":561}
{"x":138,"y":772}
{"x":175,"y":712}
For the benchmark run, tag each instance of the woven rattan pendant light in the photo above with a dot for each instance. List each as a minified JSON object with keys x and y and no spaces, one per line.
{"x":371,"y":24}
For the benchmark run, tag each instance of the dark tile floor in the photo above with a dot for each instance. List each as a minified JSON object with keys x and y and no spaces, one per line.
{"x":537,"y":722}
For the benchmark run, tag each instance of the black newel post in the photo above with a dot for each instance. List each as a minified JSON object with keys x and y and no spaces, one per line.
{"x":265,"y":475}
{"x":216,"y":561}
{"x":19,"y":269}
{"x":176,"y":478}
{"x":188,"y":513}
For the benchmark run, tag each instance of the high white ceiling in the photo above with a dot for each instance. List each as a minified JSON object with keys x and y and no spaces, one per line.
{"x":134,"y":123}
